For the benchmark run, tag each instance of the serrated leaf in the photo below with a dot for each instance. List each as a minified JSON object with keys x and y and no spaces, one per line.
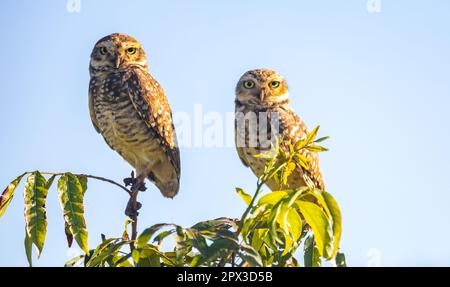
{"x":333,"y":207}
{"x":320,"y":225}
{"x":8,"y":194}
{"x":35,"y":196}
{"x":246,"y":197}
{"x":70,"y":194}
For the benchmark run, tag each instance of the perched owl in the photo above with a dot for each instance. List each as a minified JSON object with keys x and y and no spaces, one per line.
{"x":129,"y":109}
{"x":263,"y":113}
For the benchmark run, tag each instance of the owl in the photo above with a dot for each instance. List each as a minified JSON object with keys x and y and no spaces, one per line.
{"x":129,"y":109}
{"x":263,"y":113}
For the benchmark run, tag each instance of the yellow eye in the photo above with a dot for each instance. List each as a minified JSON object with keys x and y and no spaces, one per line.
{"x":248,"y":84}
{"x":274,"y":84}
{"x":131,"y":51}
{"x":103,"y":50}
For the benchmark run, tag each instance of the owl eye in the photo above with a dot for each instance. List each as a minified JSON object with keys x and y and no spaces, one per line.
{"x":248,"y":84}
{"x":103,"y":50}
{"x":131,"y":51}
{"x":274,"y":84}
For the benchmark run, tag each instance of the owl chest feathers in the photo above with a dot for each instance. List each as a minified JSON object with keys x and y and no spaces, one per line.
{"x":120,"y":123}
{"x":256,"y":133}
{"x":282,"y":123}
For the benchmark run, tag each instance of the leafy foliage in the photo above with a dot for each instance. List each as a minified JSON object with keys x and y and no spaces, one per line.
{"x":269,"y":233}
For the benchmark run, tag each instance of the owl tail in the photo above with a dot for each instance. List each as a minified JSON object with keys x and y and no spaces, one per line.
{"x":168,"y":189}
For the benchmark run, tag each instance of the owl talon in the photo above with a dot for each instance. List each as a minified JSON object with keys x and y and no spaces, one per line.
{"x":142,"y":187}
{"x":128,"y":181}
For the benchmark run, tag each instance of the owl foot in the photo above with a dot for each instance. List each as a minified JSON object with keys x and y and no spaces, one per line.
{"x":132,"y":211}
{"x":132,"y":181}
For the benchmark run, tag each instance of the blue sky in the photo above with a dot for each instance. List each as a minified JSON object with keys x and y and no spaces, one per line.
{"x":377,"y":83}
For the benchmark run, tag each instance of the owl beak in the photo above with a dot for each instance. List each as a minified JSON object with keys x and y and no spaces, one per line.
{"x":118,"y":62}
{"x":262,"y":95}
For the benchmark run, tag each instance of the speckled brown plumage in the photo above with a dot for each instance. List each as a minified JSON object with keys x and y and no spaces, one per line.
{"x":263,"y":96}
{"x":129,"y":109}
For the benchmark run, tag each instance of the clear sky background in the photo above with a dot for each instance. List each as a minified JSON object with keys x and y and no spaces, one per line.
{"x":377,"y":83}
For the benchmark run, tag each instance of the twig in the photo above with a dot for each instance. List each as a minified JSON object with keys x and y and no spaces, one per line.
{"x":133,"y":204}
{"x":89,"y":176}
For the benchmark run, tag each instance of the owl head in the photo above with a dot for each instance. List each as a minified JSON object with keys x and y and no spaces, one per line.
{"x":117,"y":51}
{"x":262,"y":87}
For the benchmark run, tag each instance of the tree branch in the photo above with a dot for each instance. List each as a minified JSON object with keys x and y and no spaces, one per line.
{"x":91,"y":176}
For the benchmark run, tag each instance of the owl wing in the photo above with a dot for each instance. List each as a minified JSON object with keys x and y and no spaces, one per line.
{"x":150,"y":102}
{"x":292,"y":128}
{"x":91,"y":107}
{"x":239,"y":150}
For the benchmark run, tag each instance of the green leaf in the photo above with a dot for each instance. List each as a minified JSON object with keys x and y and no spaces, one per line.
{"x":301,"y":160}
{"x":83,"y":181}
{"x":70,"y":193}
{"x":69,"y":235}
{"x":125,"y":235}
{"x":287,"y":171}
{"x":72,"y":262}
{"x":321,"y":139}
{"x":149,"y":259}
{"x":295,"y":224}
{"x":250,"y":255}
{"x":145,"y":236}
{"x":246,"y":197}
{"x":28,"y":248}
{"x":161,"y":236}
{"x":35,"y":215}
{"x":337,"y":220}
{"x":273,"y":197}
{"x":149,"y":256}
{"x":340,"y":260}
{"x":50,"y":181}
{"x":312,"y":256}
{"x":312,"y":135}
{"x":122,"y":261}
{"x":198,"y":241}
{"x":104,"y":251}
{"x":316,"y":148}
{"x":8,"y":194}
{"x":258,"y":238}
{"x":274,"y":219}
{"x":320,"y":225}
{"x":221,"y":248}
